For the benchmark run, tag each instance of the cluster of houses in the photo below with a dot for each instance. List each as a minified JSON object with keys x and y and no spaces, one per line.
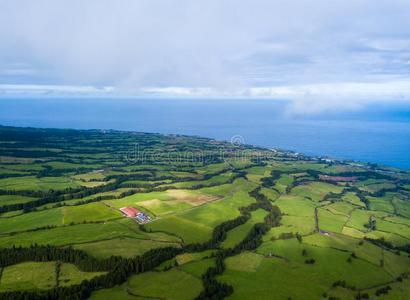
{"x":132,"y":212}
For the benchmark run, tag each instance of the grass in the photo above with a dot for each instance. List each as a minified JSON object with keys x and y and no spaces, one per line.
{"x":283,"y":182}
{"x":199,"y":267}
{"x":189,"y":231}
{"x":218,"y":179}
{"x":190,"y":257}
{"x":402,"y":207}
{"x":118,"y":292}
{"x":37,"y":184}
{"x":237,"y":234}
{"x":14,"y":199}
{"x":381,"y":204}
{"x":270,"y":193}
{"x":315,"y":191}
{"x":373,"y":188}
{"x":125,"y":247}
{"x":31,"y":220}
{"x":172,"y":284}
{"x":183,"y":214}
{"x":341,"y":208}
{"x":329,"y":221}
{"x":91,"y":212}
{"x":28,"y":276}
{"x":296,"y":206}
{"x":65,"y":215}
{"x":272,"y":278}
{"x":70,"y":275}
{"x":292,"y":224}
{"x":82,"y":233}
{"x":41,"y":276}
{"x":197,"y":223}
{"x":353,"y":199}
{"x":288,"y":272}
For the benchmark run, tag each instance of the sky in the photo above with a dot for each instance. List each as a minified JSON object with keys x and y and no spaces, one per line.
{"x":320,"y":55}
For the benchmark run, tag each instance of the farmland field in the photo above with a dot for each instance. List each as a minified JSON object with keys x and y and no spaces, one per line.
{"x":270,"y":225}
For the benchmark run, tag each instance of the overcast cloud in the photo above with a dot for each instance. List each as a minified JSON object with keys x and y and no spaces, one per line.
{"x":319,"y":54}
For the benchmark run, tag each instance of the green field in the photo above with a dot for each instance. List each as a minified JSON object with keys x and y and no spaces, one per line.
{"x":260,"y":227}
{"x":41,"y":276}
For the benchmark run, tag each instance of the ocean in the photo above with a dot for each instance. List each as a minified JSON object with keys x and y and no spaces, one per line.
{"x":378,"y":134}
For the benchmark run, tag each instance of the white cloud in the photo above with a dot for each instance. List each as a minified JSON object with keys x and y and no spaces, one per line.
{"x":302,"y":99}
{"x":348,"y":51}
{"x":54,"y":90}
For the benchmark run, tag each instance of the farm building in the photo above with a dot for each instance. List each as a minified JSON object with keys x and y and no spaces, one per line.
{"x":130,"y":212}
{"x":142,"y":218}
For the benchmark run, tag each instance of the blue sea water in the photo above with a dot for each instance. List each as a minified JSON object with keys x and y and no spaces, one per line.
{"x":379,"y":134}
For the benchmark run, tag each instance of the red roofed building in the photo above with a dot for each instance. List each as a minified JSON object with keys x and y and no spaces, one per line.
{"x":130,"y":212}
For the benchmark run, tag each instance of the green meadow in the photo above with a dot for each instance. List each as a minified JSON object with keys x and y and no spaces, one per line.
{"x":275,"y":225}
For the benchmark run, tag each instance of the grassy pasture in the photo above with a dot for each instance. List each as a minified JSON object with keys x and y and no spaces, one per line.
{"x":218,"y":179}
{"x":82,"y":233}
{"x":283,"y":183}
{"x":59,"y":165}
{"x":41,"y":276}
{"x":70,"y":274}
{"x":213,"y":168}
{"x":197,"y":223}
{"x":358,"y":273}
{"x":292,"y":224}
{"x":188,"y":231}
{"x":400,"y":291}
{"x":125,"y":247}
{"x":270,"y":193}
{"x":161,"y":203}
{"x":28,"y":276}
{"x":14,"y":199}
{"x":295,"y":206}
{"x":90,"y":176}
{"x":183,"y":213}
{"x":117,"y":292}
{"x":329,"y":221}
{"x":237,"y":234}
{"x":340,"y":208}
{"x":38,"y":184}
{"x":381,"y":204}
{"x":172,"y":284}
{"x":402,"y":207}
{"x":316,"y":190}
{"x":32,"y":220}
{"x":263,"y":278}
{"x":198,"y":268}
{"x":65,"y":215}
{"x":216,"y":212}
{"x":373,"y":188}
{"x":352,"y":199}
{"x":190,"y":257}
{"x":139,"y":197}
{"x":397,"y":220}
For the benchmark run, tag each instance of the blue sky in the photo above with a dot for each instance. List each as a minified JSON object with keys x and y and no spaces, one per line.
{"x":321,"y":55}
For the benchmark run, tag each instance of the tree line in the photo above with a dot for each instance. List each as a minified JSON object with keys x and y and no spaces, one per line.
{"x":118,"y":269}
{"x":214,"y":289}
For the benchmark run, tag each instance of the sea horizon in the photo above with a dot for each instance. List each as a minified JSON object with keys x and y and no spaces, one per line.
{"x":380,"y":135}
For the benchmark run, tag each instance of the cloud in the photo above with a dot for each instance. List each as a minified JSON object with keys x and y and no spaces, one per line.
{"x":301,"y":99}
{"x":335,"y":51}
{"x":53,"y":90}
